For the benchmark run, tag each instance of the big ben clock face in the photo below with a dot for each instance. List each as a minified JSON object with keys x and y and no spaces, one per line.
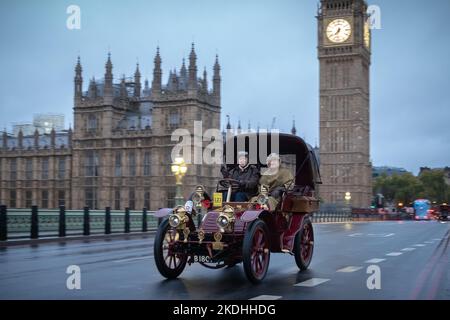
{"x":339,"y":30}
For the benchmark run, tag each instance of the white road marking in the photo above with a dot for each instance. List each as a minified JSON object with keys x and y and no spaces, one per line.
{"x":419,"y":245}
{"x":429,"y":242}
{"x":355,"y":234}
{"x":408,"y":249}
{"x":436,"y":239}
{"x":266,"y":297}
{"x":375,"y":235}
{"x":394,"y":254}
{"x":375,"y":260}
{"x":133,"y":259}
{"x":349,"y":269}
{"x":311,"y":282}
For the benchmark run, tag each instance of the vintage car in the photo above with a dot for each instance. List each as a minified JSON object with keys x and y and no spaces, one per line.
{"x":247,"y":232}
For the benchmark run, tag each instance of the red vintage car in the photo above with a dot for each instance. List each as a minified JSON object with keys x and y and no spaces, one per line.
{"x":247,"y":232}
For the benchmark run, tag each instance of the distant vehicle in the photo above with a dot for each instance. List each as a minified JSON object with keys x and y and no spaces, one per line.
{"x":444,"y":211}
{"x":422,"y":209}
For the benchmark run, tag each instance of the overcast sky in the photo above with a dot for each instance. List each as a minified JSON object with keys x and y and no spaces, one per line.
{"x":267,"y":50}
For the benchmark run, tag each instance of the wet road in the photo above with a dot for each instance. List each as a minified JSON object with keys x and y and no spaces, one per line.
{"x":413,"y":260}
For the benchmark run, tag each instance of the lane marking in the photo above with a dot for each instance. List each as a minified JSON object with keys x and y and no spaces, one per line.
{"x":436,"y":239}
{"x":132,"y":259}
{"x":408,"y":249}
{"x":349,"y":269}
{"x":429,"y":242}
{"x":266,"y":297}
{"x":311,"y":282}
{"x":419,"y":245}
{"x":383,"y":235}
{"x":373,"y":235}
{"x":394,"y":254}
{"x":375,"y":260}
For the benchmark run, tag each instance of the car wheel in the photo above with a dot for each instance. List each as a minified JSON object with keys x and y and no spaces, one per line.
{"x":304,"y":244}
{"x":169,"y":264}
{"x":256,"y":251}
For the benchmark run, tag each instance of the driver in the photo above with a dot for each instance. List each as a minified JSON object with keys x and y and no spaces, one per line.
{"x":247,"y":175}
{"x":277,"y":179}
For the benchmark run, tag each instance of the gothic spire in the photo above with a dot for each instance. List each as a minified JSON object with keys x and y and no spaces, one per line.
{"x":228,"y":122}
{"x":205,"y":81}
{"x":137,"y":82}
{"x":157,"y":74}
{"x":78,"y":68}
{"x":108,"y":89}
{"x":293,"y":130}
{"x":183,"y":71}
{"x":216,"y":80}
{"x":192,"y":82}
{"x":78,"y":81}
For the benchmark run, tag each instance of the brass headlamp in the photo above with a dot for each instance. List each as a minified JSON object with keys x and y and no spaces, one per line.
{"x":226,"y":217}
{"x":178,"y":217}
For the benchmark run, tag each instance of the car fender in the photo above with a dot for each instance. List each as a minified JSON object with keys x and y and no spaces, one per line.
{"x":163,"y":212}
{"x":251,"y":215}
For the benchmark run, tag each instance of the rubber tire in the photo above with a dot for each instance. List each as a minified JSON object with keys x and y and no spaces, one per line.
{"x":246,"y":249}
{"x":301,"y":263}
{"x":158,"y":254}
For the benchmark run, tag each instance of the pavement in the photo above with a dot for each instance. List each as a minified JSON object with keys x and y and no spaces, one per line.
{"x":365,"y":260}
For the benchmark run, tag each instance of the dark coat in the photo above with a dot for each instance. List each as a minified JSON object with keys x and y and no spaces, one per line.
{"x":248,"y":177}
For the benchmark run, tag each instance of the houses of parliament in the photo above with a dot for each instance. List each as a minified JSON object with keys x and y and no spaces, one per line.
{"x":118,"y":153}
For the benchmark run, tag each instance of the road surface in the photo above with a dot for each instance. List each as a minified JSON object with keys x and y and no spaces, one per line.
{"x":413,"y":260}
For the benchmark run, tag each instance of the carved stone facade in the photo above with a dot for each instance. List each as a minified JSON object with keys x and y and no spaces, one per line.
{"x":344,"y":56}
{"x":119,"y":153}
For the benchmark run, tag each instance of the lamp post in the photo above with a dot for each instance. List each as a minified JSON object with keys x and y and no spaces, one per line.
{"x":179,"y":169}
{"x":348,"y":197}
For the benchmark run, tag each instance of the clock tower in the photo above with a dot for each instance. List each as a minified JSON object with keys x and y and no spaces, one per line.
{"x":344,"y":58}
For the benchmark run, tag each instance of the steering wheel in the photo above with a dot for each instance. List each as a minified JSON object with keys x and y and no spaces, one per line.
{"x":226,"y":183}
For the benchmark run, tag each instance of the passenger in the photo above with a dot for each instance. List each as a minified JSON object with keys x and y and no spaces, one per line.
{"x":247,"y":175}
{"x":277,"y":179}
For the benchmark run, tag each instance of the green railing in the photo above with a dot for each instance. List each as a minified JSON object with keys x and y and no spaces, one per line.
{"x":37,"y":223}
{"x":332,"y":216}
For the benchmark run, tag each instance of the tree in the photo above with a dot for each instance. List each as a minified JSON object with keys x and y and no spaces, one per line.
{"x":435,"y":188}
{"x":406,"y":188}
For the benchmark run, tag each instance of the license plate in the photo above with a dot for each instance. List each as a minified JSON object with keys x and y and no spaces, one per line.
{"x":204,"y":259}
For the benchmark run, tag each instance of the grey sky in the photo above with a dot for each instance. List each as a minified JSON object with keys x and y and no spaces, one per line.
{"x":267,"y":50}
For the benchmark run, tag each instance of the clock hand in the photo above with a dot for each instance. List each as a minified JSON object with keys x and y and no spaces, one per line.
{"x":338,"y":31}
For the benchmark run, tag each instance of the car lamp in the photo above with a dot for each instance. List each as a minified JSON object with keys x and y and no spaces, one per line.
{"x":225,"y":218}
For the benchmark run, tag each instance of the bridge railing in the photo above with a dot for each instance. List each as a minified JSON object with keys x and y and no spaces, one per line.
{"x":37,"y":223}
{"x":332,"y":216}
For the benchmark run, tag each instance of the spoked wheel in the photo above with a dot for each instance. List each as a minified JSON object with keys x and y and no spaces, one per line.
{"x":256,"y":251}
{"x":304,"y":244}
{"x":169,"y":264}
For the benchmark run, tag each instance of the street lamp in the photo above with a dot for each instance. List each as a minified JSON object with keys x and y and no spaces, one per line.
{"x":179,"y":169}
{"x":348,"y":197}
